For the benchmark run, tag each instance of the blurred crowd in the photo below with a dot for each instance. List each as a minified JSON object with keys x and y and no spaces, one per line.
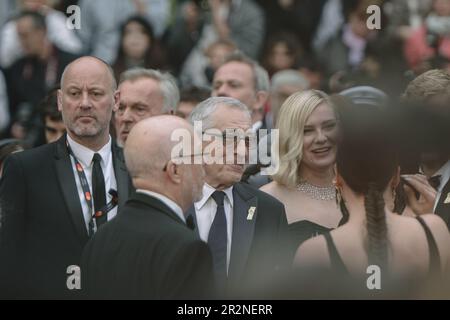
{"x":325,"y":42}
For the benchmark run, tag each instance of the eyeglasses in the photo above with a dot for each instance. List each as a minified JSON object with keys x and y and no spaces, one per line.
{"x":232,"y":137}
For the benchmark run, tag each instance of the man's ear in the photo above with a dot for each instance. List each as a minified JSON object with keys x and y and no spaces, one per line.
{"x":261,"y":99}
{"x":174,"y":172}
{"x":116,"y":99}
{"x":59,"y":96}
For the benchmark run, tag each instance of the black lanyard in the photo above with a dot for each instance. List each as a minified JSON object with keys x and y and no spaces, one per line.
{"x":88,"y":196}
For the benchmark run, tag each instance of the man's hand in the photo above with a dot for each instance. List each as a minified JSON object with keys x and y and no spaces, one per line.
{"x":427,"y":194}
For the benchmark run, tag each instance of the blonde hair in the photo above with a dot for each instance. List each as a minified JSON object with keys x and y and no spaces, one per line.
{"x":291,"y":122}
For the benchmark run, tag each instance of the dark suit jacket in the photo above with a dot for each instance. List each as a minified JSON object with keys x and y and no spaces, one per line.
{"x":147,"y":252}
{"x":443,"y":209}
{"x":258,"y":247}
{"x":42,"y":226}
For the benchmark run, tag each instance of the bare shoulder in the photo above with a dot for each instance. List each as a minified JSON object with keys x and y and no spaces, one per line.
{"x":436,"y":225}
{"x":312,"y":252}
{"x":273,"y":188}
{"x":270,"y":188}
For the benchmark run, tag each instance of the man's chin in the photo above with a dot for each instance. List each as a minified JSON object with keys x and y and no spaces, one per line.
{"x":123,"y":138}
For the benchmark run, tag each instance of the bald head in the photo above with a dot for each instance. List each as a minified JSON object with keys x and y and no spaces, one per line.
{"x":148,"y":147}
{"x":148,"y":152}
{"x":90,"y":63}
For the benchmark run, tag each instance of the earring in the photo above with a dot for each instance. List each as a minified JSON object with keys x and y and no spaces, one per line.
{"x":338,"y":197}
{"x":394,"y":195}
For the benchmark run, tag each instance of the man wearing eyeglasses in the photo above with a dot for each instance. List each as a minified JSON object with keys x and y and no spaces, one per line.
{"x":243,"y":226}
{"x":144,"y":93}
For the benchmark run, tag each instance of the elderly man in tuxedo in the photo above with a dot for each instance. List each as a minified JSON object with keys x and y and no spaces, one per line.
{"x":245,"y":228}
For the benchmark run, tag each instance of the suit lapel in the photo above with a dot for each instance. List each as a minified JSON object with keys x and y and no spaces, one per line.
{"x":443,"y":209}
{"x":68,"y":186}
{"x":122,"y":177}
{"x":243,"y":230}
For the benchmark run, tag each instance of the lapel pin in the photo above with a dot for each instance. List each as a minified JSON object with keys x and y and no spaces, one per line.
{"x":447,"y":200}
{"x":251,"y":212}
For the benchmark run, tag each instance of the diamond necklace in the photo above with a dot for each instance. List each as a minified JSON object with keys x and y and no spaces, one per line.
{"x":315,"y":192}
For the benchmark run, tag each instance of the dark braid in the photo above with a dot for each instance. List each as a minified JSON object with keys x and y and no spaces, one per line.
{"x":377,"y":241}
{"x":367,"y":159}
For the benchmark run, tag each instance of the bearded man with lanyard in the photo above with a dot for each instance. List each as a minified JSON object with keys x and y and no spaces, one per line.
{"x":54,"y":198}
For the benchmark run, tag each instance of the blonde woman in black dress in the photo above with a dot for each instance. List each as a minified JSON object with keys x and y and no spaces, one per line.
{"x":308,"y":133}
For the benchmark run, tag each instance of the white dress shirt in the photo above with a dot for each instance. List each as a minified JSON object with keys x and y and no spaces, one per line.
{"x":256,"y":126}
{"x":84,"y":156}
{"x":444,"y":172}
{"x":205,"y":210}
{"x":168,"y":202}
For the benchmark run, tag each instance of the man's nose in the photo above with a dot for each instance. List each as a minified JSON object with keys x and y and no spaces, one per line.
{"x":127,"y":115}
{"x":222,"y":91}
{"x":241,"y":151}
{"x":85,"y":100}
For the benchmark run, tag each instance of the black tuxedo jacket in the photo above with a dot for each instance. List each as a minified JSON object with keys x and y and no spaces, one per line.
{"x":147,"y":252}
{"x":42,"y":229}
{"x":258,"y":248}
{"x":443,"y":208}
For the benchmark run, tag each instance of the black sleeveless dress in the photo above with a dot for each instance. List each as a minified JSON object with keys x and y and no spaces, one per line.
{"x":337,"y":264}
{"x":300,"y":231}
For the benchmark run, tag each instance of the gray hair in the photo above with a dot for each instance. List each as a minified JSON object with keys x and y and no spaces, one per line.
{"x":204,"y":110}
{"x":167,"y":83}
{"x":260,"y":75}
{"x":289,"y":77}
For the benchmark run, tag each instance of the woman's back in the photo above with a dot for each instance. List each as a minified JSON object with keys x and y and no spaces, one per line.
{"x":408,"y":249}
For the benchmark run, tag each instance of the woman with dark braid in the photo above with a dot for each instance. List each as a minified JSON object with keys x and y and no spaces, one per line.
{"x":405,"y":249}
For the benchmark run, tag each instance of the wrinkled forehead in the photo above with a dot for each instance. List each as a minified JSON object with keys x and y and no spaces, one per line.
{"x":235,"y":70}
{"x":229,"y":117}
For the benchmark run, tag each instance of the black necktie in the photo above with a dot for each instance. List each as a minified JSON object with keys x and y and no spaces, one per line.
{"x":435,"y":181}
{"x":98,"y":189}
{"x":217,"y":240}
{"x":190,"y":222}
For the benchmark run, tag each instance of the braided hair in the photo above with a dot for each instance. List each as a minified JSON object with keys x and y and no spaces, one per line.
{"x":367,"y":160}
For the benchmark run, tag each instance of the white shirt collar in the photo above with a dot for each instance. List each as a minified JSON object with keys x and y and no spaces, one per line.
{"x":168,"y":202}
{"x":85,"y":155}
{"x":257,"y":125}
{"x":208,"y":191}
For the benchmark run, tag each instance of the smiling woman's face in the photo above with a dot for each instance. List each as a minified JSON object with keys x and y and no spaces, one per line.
{"x":320,"y":137}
